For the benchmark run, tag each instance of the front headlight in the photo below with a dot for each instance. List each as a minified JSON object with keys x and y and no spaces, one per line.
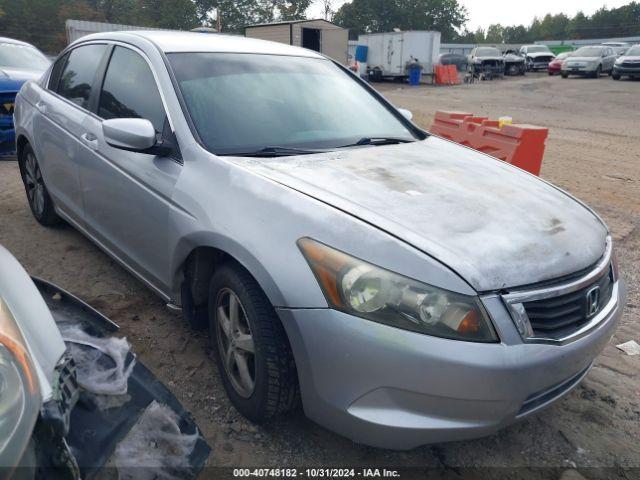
{"x":19,"y":390}
{"x":367,"y":291}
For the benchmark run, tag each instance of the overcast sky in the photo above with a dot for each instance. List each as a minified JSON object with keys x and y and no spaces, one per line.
{"x":482,"y":13}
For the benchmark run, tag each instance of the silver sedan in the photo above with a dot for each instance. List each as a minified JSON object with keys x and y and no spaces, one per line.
{"x":403,"y":288}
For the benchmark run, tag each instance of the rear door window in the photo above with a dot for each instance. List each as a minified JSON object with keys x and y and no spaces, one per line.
{"x":129,"y":90}
{"x":77,"y":77}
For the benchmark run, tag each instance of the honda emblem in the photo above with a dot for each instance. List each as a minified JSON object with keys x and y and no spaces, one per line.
{"x":593,"y":301}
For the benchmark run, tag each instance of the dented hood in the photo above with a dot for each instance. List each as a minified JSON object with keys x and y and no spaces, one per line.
{"x":495,"y":225}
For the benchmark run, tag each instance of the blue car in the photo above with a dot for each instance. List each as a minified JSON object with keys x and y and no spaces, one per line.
{"x":19,"y":62}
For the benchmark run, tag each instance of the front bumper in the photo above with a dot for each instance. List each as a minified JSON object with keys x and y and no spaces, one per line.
{"x":579,"y":70}
{"x":390,"y":388}
{"x":7,"y":140}
{"x":7,"y":132}
{"x":618,"y":70}
{"x":538,"y":65}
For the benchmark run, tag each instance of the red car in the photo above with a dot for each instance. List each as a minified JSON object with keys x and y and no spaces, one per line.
{"x":556,"y":64}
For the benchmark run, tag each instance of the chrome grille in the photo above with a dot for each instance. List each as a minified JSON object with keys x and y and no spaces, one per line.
{"x":561,"y":315}
{"x":66,"y":390}
{"x":563,"y":312}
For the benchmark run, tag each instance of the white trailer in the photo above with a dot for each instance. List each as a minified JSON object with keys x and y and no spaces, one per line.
{"x":390,"y":53}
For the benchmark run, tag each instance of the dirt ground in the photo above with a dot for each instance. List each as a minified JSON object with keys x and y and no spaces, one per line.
{"x":593,"y":151}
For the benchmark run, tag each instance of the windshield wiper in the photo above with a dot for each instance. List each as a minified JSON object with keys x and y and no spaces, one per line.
{"x":377,"y":141}
{"x":275,"y":151}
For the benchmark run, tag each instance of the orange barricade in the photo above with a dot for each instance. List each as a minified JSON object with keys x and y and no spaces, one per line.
{"x":453,"y":75}
{"x":519,"y":145}
{"x":446,"y":75}
{"x":439,"y":72}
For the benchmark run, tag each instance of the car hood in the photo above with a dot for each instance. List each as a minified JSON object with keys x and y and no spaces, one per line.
{"x":494,"y":224}
{"x":634,"y":58}
{"x":483,"y":59}
{"x":11,"y":79}
{"x":513,"y":58}
{"x":535,"y":55}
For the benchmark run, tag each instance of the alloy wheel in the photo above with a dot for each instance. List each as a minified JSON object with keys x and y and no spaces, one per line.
{"x":235,"y":342}
{"x":35,"y":184}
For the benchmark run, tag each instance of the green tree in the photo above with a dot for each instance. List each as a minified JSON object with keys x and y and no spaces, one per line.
{"x":516,"y":34}
{"x":371,"y":16}
{"x":495,"y":34}
{"x":554,"y":27}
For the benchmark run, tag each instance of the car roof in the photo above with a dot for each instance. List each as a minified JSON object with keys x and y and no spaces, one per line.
{"x":175,"y":41}
{"x":14,"y":41}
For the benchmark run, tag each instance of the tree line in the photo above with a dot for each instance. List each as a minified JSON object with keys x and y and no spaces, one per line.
{"x":604,"y":23}
{"x":449,"y":17}
{"x":41,"y":22}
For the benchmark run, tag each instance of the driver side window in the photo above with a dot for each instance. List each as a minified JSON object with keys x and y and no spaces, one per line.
{"x":129,"y":90}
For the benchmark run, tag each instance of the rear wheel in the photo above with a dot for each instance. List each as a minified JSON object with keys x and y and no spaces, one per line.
{"x":37,"y":194}
{"x":564,"y":75}
{"x":251,"y":347}
{"x":615,"y":76}
{"x":598,"y":72}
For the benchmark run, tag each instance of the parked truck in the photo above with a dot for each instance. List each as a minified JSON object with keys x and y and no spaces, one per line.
{"x":391,"y":54}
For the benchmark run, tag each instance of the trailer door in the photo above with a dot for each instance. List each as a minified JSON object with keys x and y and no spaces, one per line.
{"x":394,"y":61}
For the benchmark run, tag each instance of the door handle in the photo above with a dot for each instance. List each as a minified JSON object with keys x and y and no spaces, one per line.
{"x":90,"y":140}
{"x":41,"y":106}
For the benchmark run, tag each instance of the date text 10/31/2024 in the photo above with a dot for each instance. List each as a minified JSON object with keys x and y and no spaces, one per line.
{"x":316,"y":472}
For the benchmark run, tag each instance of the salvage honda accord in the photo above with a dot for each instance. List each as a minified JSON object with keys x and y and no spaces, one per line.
{"x":404,"y":288}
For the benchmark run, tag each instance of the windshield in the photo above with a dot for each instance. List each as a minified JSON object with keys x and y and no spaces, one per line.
{"x":22,"y":56}
{"x":488,"y":52}
{"x":633,"y":51}
{"x":241,"y":103}
{"x":539,"y":48}
{"x":588,"y":52}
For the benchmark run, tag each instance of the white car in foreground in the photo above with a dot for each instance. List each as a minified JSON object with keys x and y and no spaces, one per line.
{"x":73,"y":398}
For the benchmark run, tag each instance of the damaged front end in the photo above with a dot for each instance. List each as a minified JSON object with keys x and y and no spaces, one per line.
{"x":99,"y":407}
{"x":488,"y":68}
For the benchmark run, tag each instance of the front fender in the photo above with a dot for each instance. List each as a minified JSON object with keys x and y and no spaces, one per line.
{"x":209,"y":239}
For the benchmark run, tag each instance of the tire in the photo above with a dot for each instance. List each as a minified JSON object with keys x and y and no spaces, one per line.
{"x":564,"y":75}
{"x":37,"y":194}
{"x":271,"y":367}
{"x":615,"y":76}
{"x":598,"y":72}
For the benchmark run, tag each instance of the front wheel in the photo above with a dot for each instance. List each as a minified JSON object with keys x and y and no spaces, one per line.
{"x":598,"y":72}
{"x":564,"y":75}
{"x":615,"y":76}
{"x":251,"y":347}
{"x":37,"y":194}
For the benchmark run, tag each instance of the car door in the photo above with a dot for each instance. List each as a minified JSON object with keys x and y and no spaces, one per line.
{"x":62,"y":110}
{"x":127,"y":195}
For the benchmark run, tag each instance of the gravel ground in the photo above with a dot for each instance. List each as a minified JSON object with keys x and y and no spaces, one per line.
{"x":593,"y":151}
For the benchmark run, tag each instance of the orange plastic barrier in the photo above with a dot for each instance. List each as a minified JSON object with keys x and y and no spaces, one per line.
{"x":439,"y":74}
{"x":519,"y":145}
{"x":446,"y":75}
{"x":453,"y":75}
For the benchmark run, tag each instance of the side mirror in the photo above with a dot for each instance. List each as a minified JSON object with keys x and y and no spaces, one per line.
{"x":406,"y":113}
{"x":131,"y":134}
